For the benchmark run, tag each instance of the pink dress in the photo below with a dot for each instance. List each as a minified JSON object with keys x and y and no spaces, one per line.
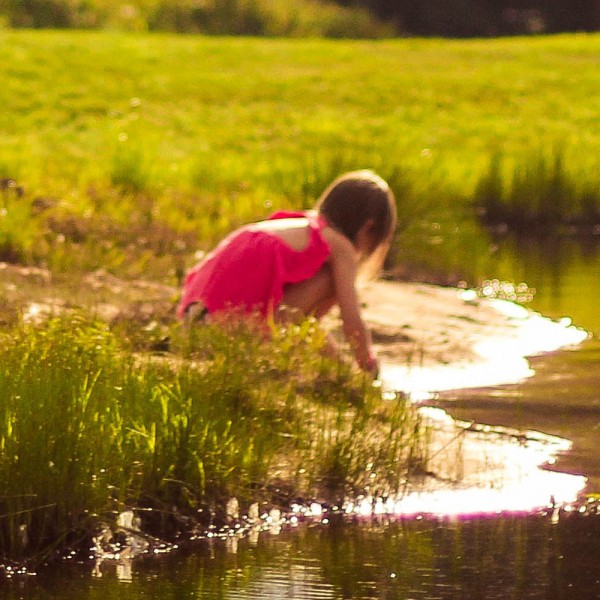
{"x":250,"y":268}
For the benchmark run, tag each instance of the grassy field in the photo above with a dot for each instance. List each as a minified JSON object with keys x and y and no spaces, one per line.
{"x":166,"y":142}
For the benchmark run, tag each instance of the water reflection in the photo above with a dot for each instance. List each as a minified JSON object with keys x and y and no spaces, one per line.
{"x":488,"y":469}
{"x":562,"y":399}
{"x":564,"y":272}
{"x":447,"y":558}
{"x":501,"y":358}
{"x":564,"y":396}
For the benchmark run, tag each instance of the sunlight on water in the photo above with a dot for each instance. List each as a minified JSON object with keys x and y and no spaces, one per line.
{"x":500,"y":359}
{"x":490,"y":469}
{"x":478,"y":469}
{"x":498,"y":470}
{"x":481,"y":470}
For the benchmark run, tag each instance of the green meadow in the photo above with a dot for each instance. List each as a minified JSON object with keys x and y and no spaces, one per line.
{"x":130,"y":152}
{"x":141,"y":148}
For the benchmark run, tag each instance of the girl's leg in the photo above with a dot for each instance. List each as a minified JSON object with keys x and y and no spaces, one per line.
{"x":314,"y":296}
{"x":194,"y":313}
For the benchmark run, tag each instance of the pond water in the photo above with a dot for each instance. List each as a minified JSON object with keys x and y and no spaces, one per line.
{"x":509,"y":557}
{"x":551,"y":553}
{"x":563,"y":398}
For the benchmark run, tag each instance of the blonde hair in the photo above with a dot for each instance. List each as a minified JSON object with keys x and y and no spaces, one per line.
{"x":355,"y":198}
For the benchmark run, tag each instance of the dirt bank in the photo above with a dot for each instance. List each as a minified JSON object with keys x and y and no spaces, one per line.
{"x":428,"y":338}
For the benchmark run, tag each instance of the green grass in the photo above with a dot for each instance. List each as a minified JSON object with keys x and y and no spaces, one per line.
{"x":89,"y":426}
{"x":193,"y":135}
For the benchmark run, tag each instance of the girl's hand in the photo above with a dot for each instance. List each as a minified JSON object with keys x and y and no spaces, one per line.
{"x":372,"y":367}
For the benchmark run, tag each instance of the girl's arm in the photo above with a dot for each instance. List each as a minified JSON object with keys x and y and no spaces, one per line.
{"x":344,"y":267}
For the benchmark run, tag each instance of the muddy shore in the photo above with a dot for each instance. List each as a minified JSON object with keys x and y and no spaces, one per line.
{"x":414,"y":325}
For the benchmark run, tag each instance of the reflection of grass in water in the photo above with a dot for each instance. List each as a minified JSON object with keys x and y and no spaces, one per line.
{"x":540,"y":194}
{"x":88,"y":427}
{"x":506,"y":556}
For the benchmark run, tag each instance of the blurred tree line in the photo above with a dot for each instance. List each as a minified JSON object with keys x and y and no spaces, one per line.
{"x":320,"y":18}
{"x":277,"y":18}
{"x":469,"y":18}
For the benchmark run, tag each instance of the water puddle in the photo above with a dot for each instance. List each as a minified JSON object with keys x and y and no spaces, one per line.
{"x":476,"y":468}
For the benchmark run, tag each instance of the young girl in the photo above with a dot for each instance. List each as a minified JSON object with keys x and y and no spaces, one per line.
{"x":302,"y":262}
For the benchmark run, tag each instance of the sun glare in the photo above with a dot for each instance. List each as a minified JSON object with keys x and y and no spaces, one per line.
{"x":492,"y":469}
